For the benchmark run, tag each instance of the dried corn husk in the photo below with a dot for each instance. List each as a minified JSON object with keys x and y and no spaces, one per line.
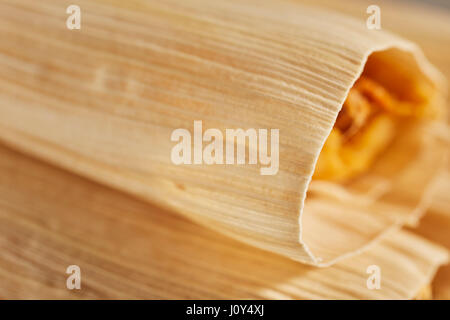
{"x":436,"y":226}
{"x":104,"y":100}
{"x":126,"y":248}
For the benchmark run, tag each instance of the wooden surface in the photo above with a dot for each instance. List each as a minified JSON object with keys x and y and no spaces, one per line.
{"x":58,"y":219}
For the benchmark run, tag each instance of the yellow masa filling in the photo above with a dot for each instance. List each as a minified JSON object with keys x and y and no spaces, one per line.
{"x":387,"y":94}
{"x":366,"y":125}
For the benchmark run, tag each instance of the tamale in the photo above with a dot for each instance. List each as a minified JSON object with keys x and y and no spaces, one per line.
{"x":105,"y":107}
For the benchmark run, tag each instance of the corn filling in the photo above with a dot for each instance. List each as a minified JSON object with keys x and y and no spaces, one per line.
{"x":365,"y":127}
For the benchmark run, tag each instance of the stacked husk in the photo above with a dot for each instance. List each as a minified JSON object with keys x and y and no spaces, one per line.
{"x":103,"y":101}
{"x":126,"y":248}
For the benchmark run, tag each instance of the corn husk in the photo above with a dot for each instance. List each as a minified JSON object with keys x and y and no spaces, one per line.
{"x":126,"y":248}
{"x":102,"y":102}
{"x":435,"y":226}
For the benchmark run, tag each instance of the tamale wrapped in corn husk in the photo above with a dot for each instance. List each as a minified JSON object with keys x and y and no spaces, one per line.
{"x":104,"y":100}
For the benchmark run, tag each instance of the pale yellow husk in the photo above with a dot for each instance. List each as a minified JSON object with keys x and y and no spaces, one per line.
{"x":103,"y":101}
{"x":435,"y":226}
{"x":126,"y":248}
